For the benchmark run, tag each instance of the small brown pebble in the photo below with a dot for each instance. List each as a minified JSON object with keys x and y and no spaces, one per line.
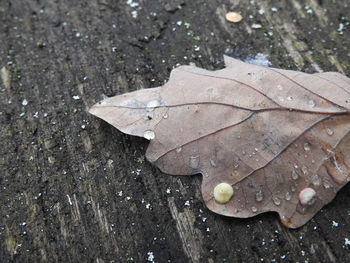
{"x":233,"y":17}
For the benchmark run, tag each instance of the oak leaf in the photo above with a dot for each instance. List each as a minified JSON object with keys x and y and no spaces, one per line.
{"x":278,"y":138}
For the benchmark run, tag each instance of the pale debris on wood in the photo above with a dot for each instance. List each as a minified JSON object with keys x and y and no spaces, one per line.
{"x":233,"y":17}
{"x":256,"y":26}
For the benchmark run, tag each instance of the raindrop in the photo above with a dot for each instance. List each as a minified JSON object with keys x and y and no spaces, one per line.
{"x":327,"y":184}
{"x":194,"y":162}
{"x":312,"y":103}
{"x":254,"y":209}
{"x":306,"y":146}
{"x":289,"y":98}
{"x":244,"y":153}
{"x":234,"y":173}
{"x":259,"y":196}
{"x":149,"y":135}
{"x":296,"y":166}
{"x":280,"y":87}
{"x":304,"y":169}
{"x":295,"y":175}
{"x":329,"y":131}
{"x":178,"y":149}
{"x":281,"y":98}
{"x":276,"y":200}
{"x":235,"y":165}
{"x":288,"y":196}
{"x":292,"y":188}
{"x":316,"y":180}
{"x":256,"y":149}
{"x":165,"y":116}
{"x":152,"y":104}
{"x":212,"y":162}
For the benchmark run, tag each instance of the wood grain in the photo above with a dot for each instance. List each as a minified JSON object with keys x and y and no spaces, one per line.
{"x":72,"y":188}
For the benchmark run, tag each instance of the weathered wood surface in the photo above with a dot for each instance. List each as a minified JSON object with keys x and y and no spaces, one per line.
{"x":72,"y":188}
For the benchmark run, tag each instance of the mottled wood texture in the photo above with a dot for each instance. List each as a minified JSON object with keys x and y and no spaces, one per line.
{"x":73,"y":188}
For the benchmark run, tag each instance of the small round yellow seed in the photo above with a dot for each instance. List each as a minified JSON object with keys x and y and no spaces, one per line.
{"x":223,"y":193}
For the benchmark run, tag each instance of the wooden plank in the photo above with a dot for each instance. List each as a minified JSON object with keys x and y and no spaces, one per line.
{"x":72,"y":188}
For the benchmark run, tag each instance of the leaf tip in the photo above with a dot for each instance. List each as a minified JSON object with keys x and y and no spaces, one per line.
{"x":94,"y":109}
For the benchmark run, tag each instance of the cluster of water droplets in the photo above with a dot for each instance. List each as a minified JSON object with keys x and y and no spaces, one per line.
{"x":311,"y":103}
{"x":307,"y":195}
{"x":151,"y":105}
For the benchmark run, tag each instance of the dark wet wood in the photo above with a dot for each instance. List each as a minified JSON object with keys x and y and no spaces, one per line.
{"x":72,"y":188}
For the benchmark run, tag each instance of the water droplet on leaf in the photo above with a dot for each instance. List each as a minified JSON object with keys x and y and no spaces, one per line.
{"x":312,"y":103}
{"x":149,"y":135}
{"x":316,"y":180}
{"x":295,"y":175}
{"x":306,"y":146}
{"x":304,"y":169}
{"x":152,"y":104}
{"x":288,"y":196}
{"x":327,"y":184}
{"x":259,"y":196}
{"x":293,"y":188}
{"x":194,"y":162}
{"x":276,"y":200}
{"x":329,"y":131}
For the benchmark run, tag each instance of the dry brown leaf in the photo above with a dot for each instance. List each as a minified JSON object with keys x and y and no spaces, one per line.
{"x":279,"y":138}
